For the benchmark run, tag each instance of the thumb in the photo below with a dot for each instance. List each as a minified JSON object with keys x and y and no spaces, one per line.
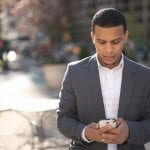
{"x":119,"y":121}
{"x":93,"y":125}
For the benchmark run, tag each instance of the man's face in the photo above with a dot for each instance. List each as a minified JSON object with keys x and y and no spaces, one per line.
{"x":109,"y":43}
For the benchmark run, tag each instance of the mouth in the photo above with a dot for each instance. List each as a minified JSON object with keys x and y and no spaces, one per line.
{"x":109,"y":57}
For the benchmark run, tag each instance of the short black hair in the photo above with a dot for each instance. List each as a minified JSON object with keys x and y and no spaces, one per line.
{"x":108,"y":17}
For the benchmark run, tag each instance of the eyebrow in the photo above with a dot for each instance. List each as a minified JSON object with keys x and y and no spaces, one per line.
{"x":98,"y":39}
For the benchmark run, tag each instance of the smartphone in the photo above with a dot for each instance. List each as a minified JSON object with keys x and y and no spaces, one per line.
{"x":105,"y":122}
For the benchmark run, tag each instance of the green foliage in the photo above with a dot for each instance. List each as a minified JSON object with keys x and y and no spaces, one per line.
{"x":84,"y":51}
{"x":131,"y":53}
{"x":136,"y":30}
{"x":1,"y":63}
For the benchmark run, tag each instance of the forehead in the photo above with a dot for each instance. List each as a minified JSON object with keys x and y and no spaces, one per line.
{"x":108,"y":32}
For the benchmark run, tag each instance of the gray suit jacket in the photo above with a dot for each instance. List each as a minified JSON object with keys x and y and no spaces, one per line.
{"x":81,"y":103}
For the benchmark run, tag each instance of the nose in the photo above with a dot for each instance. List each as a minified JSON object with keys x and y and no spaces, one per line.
{"x":109,"y":48}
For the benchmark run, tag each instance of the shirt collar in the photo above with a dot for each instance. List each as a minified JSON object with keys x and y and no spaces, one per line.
{"x":120,"y":65}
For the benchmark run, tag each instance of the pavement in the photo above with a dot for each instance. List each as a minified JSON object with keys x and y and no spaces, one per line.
{"x":28,"y":110}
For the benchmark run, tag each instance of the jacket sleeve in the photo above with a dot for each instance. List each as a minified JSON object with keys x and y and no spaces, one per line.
{"x":140,"y":131}
{"x":67,"y":121}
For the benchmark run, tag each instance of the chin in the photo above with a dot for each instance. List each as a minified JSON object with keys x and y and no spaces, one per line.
{"x":110,"y":65}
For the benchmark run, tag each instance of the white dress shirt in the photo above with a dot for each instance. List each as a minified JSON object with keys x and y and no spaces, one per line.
{"x":110,"y":81}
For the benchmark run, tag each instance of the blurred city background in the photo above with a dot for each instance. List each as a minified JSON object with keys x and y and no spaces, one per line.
{"x":38,"y":38}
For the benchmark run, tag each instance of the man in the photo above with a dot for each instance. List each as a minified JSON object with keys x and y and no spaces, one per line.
{"x":106,"y":85}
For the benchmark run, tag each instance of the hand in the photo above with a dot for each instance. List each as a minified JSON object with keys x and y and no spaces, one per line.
{"x":94,"y":133}
{"x":117,"y":135}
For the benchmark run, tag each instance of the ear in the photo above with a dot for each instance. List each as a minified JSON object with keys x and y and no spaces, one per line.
{"x":92,"y":37}
{"x":126,"y":36}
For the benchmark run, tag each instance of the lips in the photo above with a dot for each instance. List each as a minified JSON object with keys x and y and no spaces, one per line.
{"x":109,"y":57}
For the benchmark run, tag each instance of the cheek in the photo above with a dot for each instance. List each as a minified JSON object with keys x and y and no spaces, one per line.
{"x":122,"y":44}
{"x":99,"y":48}
{"x":119,"y":48}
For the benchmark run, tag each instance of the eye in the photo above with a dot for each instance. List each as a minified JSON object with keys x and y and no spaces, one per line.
{"x":101,"y":42}
{"x":116,"y":41}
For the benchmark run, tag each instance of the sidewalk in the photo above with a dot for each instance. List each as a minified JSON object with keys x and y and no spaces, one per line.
{"x":29,"y":121}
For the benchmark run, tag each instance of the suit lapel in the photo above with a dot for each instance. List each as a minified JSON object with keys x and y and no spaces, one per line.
{"x":94,"y":86}
{"x":128,"y":83}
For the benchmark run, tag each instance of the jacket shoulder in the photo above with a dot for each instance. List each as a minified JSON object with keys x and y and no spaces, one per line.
{"x":140,"y":66}
{"x":82,"y":63}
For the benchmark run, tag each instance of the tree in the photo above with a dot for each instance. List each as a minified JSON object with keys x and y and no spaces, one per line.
{"x":39,"y":14}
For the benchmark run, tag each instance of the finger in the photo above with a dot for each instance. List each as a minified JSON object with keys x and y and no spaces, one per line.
{"x":119,"y":121}
{"x":91,"y":133}
{"x":115,"y":131}
{"x":93,"y":125}
{"x":101,"y":131}
{"x":105,"y":129}
{"x":109,"y":136}
{"x":107,"y":141}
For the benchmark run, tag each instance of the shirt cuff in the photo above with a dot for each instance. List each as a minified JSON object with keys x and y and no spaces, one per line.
{"x":83,"y":136}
